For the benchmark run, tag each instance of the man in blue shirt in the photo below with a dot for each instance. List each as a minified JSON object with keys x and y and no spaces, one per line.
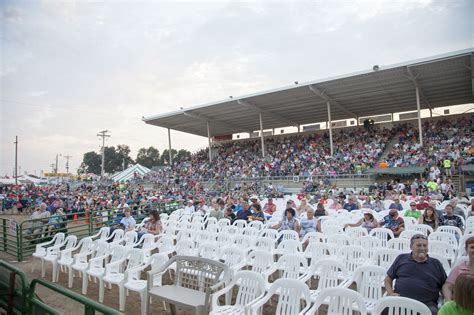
{"x":245,"y":213}
{"x":351,"y":204}
{"x":393,"y":222}
{"x":418,"y":276}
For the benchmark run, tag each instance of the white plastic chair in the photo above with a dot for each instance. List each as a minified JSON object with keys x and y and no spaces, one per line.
{"x":231,"y":230}
{"x":371,"y":243}
{"x":444,"y":237}
{"x":233,"y":257}
{"x":103,"y":234}
{"x":243,"y":241}
{"x":443,"y":260}
{"x":269,"y":233}
{"x":211,"y":221}
{"x":186,"y":247}
{"x":332,"y":273}
{"x":256,"y":224}
{"x":97,"y":264}
{"x":209,"y":251}
{"x":251,"y":231}
{"x":53,"y":253}
{"x":289,"y":247}
{"x":224,"y":239}
{"x":423,"y":229}
{"x":442,"y":248}
{"x":223,"y":222}
{"x":384,"y":257}
{"x":116,"y":237}
{"x":314,"y":237}
{"x":355,"y":233}
{"x":339,"y":301}
{"x":353,"y":257}
{"x":265,"y":244}
{"x":115,"y":273}
{"x":401,"y":244}
{"x":316,"y":251}
{"x":240,"y":224}
{"x":454,"y":230}
{"x":382,"y":234}
{"x":290,"y":292}
{"x":369,"y":281}
{"x":130,"y":239}
{"x":398,"y":305}
{"x":81,"y":262}
{"x":165,"y":245}
{"x":213,"y":228}
{"x":40,"y":250}
{"x":408,"y":234}
{"x":293,"y":267}
{"x":251,"y":286}
{"x":67,"y":259}
{"x":261,"y":262}
{"x":288,"y":235}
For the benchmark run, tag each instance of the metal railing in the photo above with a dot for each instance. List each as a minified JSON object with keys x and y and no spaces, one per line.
{"x":20,"y":239}
{"x":19,"y":297}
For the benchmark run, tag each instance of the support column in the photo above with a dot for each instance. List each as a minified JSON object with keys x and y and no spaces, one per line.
{"x":209,"y":142}
{"x":169,"y":147}
{"x":419,"y":115}
{"x":330,"y":127}
{"x":261,"y":134}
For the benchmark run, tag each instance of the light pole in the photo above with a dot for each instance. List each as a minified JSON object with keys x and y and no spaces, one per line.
{"x":67,"y":157}
{"x":103,"y":134}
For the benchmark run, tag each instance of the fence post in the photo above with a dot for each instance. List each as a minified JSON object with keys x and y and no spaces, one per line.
{"x":90,"y":216}
{"x":19,"y":242}
{"x":4,"y":235}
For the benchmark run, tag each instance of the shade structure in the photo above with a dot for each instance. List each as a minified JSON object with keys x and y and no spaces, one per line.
{"x":132,"y":172}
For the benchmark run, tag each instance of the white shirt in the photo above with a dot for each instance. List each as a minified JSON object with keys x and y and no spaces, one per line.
{"x":189,"y":209}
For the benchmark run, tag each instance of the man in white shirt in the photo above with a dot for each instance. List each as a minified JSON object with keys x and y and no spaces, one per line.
{"x":189,"y":208}
{"x":41,"y":217}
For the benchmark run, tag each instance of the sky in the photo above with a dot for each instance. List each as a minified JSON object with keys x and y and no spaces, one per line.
{"x":69,"y":69}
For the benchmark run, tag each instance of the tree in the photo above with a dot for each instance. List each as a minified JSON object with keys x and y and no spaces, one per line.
{"x":91,"y":163}
{"x":177,"y":156}
{"x":148,"y":157}
{"x":183,"y":155}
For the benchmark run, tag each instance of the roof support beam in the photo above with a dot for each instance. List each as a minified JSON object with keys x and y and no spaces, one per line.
{"x":413,"y":77}
{"x":472,"y":75}
{"x":267,"y":113}
{"x":327,"y":98}
{"x":216,"y":121}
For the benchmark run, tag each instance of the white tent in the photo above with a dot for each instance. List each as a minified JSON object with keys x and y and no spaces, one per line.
{"x":130,"y":173}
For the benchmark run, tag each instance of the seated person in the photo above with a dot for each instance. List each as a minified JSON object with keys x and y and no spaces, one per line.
{"x":308,"y":223}
{"x":56,"y":221}
{"x":463,"y":297}
{"x":40,"y":217}
{"x":450,"y":219}
{"x":393,"y":222}
{"x":229,"y":214}
{"x":429,"y":217}
{"x":413,"y":212}
{"x":269,"y":207}
{"x":245,"y":213}
{"x":288,"y":222}
{"x":257,"y":213}
{"x":466,"y":266}
{"x":128,"y":221}
{"x":218,"y":211}
{"x":152,"y":225}
{"x":417,"y":275}
{"x":396,"y":205}
{"x":368,"y":222}
{"x":351,"y":204}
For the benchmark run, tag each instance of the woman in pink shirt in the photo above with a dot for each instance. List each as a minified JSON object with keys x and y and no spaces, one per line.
{"x":466,"y":266}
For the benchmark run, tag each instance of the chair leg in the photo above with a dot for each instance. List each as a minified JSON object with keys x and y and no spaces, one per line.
{"x":101,"y":290}
{"x":70,"y":275}
{"x":55,"y":272}
{"x":143,"y":301}
{"x":85,"y":280}
{"x":121,"y":297}
{"x":43,"y":271}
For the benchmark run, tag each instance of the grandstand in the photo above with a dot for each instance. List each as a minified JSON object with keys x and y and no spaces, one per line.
{"x":340,"y":106}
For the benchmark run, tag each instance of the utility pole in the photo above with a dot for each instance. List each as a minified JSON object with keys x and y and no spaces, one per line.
{"x":52,"y":168}
{"x":103,"y":134}
{"x":16,"y":160}
{"x":67,"y":157}
{"x":56,"y":168}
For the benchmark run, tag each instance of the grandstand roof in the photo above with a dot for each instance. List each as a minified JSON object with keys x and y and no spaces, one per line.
{"x":443,"y":80}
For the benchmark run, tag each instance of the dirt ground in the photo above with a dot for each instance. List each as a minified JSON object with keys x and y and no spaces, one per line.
{"x":68,"y":306}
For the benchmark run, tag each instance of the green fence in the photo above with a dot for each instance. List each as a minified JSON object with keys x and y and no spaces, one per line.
{"x":20,"y":239}
{"x":19,"y":297}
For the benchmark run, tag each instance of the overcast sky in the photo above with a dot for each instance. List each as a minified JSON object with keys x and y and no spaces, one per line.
{"x":70,"y":69}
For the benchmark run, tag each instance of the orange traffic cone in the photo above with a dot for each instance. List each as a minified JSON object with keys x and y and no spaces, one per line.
{"x":87,"y":219}
{"x":74,"y":220}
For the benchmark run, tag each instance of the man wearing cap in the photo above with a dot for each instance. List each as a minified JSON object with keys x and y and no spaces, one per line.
{"x":351,"y":204}
{"x":393,"y":222}
{"x":417,"y":275}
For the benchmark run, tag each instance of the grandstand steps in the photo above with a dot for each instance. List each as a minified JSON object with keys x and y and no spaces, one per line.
{"x":388,"y":148}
